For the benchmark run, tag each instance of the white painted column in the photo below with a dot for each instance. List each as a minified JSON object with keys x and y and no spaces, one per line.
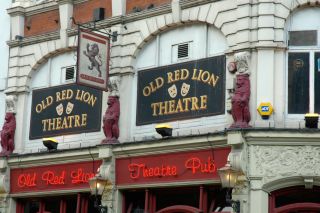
{"x":118,"y":7}
{"x":265,"y":83}
{"x":258,"y":198}
{"x":126,"y":104}
{"x":21,"y":119}
{"x":66,"y":12}
{"x":279,"y":88}
{"x":17,"y":23}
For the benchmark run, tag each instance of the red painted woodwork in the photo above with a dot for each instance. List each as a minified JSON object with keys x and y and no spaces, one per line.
{"x":299,"y":207}
{"x":179,"y":208}
{"x":295,"y":200}
{"x":54,"y":177}
{"x":171,"y":167}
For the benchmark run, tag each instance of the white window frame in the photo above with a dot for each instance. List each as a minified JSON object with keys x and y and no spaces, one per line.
{"x":302,"y":49}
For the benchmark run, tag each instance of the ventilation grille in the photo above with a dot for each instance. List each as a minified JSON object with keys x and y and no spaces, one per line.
{"x":69,"y":73}
{"x":183,"y":50}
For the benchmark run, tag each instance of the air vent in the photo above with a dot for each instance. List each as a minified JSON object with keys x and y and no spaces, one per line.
{"x":69,"y":73}
{"x":183,"y":50}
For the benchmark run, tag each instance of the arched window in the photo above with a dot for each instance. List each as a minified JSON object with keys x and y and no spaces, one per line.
{"x":303,"y":61}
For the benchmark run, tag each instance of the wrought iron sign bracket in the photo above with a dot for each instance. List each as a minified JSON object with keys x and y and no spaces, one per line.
{"x":88,"y":26}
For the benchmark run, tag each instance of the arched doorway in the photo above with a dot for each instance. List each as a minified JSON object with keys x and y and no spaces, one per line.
{"x":295,"y":200}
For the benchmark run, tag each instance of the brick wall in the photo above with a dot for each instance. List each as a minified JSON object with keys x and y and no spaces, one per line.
{"x":41,"y":23}
{"x":83,"y":12}
{"x":143,"y":4}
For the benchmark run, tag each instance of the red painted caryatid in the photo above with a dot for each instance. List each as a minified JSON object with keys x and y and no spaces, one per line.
{"x":241,"y":97}
{"x":111,"y":120}
{"x":7,"y":134}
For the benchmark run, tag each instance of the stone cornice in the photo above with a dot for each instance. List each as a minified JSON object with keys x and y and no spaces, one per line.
{"x":193,"y":3}
{"x":16,"y":11}
{"x":41,"y":8}
{"x":61,"y":2}
{"x":45,"y":158}
{"x":173,"y":144}
{"x":34,"y":39}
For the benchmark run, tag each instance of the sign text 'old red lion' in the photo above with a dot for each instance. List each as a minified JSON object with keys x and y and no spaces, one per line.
{"x":62,"y":176}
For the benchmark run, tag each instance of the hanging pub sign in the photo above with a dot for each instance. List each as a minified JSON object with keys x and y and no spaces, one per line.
{"x":181,"y":91}
{"x":66,"y":109}
{"x":93,"y":60}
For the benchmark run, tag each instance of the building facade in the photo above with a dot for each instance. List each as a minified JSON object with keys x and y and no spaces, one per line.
{"x":234,"y":79}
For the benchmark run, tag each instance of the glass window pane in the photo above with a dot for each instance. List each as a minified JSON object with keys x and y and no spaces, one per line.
{"x":298,"y":83}
{"x":317,"y":82}
{"x":303,"y":38}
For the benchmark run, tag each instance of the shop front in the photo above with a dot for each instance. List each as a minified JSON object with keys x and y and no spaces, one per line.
{"x":185,"y":181}
{"x":59,"y":188}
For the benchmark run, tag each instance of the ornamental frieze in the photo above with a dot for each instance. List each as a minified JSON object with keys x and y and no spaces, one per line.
{"x":275,"y":162}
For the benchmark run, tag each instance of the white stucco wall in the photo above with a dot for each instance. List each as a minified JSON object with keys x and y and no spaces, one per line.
{"x":4,"y":36}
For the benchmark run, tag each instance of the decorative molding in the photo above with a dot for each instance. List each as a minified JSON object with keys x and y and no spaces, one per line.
{"x":34,"y":39}
{"x":242,"y":62}
{"x":113,"y":86}
{"x":277,"y":162}
{"x":11,"y":103}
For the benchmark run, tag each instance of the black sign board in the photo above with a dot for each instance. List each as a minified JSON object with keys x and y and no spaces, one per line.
{"x":67,"y":109}
{"x":181,"y":91}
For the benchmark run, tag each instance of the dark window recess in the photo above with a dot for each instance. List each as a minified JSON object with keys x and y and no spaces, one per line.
{"x":98,"y":14}
{"x":317,"y":82}
{"x":298,"y":83}
{"x":303,"y":38}
{"x":69,"y":73}
{"x":183,"y":50}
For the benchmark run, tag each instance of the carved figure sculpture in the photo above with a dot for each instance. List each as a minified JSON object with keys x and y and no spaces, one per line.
{"x":111,"y":119}
{"x":240,"y":103}
{"x":94,"y":57}
{"x":7,"y":134}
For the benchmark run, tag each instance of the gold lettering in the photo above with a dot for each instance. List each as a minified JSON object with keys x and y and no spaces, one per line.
{"x":213,"y":81}
{"x":78,"y":95}
{"x":203,"y":101}
{"x":65,"y":123}
{"x":58,"y":123}
{"x":176,"y":75}
{"x":70,"y":118}
{"x":146,"y":91}
{"x":77,"y":121}
{"x":194,"y":75}
{"x":184,"y":74}
{"x":38,"y":108}
{"x":58,"y":96}
{"x":44,"y":124}
{"x":169,"y":74}
{"x":51,"y":124}
{"x":163,"y":108}
{"x":186,"y":102}
{"x":194,"y":103}
{"x":69,"y":94}
{"x":205,"y":76}
{"x":179,"y":107}
{"x":154,"y":108}
{"x":159,"y":82}
{"x":172,"y":106}
{"x":84,"y":120}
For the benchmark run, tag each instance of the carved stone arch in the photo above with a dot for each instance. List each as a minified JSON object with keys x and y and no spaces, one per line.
{"x":167,"y":28}
{"x":44,"y":59}
{"x":281,"y":183}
